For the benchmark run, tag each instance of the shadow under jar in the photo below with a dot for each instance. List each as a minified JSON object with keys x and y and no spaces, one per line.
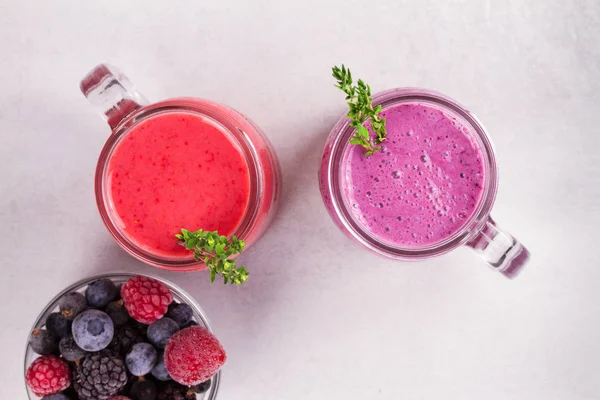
{"x":429,"y":190}
{"x":180,"y":163}
{"x":179,"y":296}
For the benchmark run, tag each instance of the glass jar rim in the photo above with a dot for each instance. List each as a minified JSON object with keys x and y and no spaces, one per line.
{"x":216,"y":113}
{"x":341,"y":134}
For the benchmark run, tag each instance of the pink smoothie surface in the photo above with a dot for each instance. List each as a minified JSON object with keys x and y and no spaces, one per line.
{"x":425,"y":183}
{"x":172,"y":171}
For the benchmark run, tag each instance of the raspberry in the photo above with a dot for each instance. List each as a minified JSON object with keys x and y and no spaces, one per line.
{"x":193,"y":355}
{"x":146,"y":299}
{"x":120,"y":398}
{"x":48,"y":375}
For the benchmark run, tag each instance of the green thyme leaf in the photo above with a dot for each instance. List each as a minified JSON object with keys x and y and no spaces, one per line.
{"x":216,"y":251}
{"x":360,"y":105}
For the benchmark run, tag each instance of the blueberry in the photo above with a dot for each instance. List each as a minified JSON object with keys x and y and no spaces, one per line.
{"x":93,"y":330}
{"x":143,"y":390}
{"x":58,"y":396}
{"x":180,"y":313}
{"x":58,"y":325}
{"x":201,"y":387}
{"x":43,"y":342}
{"x":69,"y":349}
{"x":141,"y":359}
{"x":160,"y":331}
{"x":72,"y":304}
{"x":191,"y":323}
{"x":117,"y":312}
{"x":160,"y":370}
{"x":100,"y":293}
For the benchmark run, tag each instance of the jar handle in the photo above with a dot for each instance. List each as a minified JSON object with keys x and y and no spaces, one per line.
{"x":499,"y":249}
{"x":111,"y":93}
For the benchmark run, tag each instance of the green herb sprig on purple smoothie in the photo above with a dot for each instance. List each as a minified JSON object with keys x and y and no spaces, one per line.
{"x":361,"y":107}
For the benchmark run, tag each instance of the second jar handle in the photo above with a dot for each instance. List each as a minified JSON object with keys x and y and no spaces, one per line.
{"x":112,"y":93}
{"x":499,"y":249}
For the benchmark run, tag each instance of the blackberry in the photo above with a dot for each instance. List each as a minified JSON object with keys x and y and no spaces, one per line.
{"x":98,"y":294}
{"x":100,"y":375}
{"x":69,"y":349}
{"x":72,"y":304}
{"x":126,"y":336}
{"x":43,"y":342}
{"x":143,"y":390}
{"x":117,"y":312}
{"x":58,"y":325}
{"x":180,"y":313}
{"x":175,"y":391}
{"x":160,"y":331}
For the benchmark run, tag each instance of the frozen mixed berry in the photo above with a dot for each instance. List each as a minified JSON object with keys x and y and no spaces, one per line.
{"x":146,"y":299}
{"x":93,"y":330}
{"x":120,"y":398}
{"x":175,"y":391}
{"x":191,"y":323}
{"x":101,"y":292}
{"x":160,"y":370}
{"x":117,"y":312}
{"x":99,"y":376}
{"x":48,"y":375}
{"x":180,"y":313}
{"x":43,"y":342}
{"x":141,"y":359}
{"x":58,"y":325}
{"x":72,"y":304}
{"x":143,"y":390}
{"x":201,"y":387}
{"x":160,"y":331}
{"x":69,"y":349}
{"x":193,"y":355}
{"x":58,"y":396}
{"x":127,"y":335}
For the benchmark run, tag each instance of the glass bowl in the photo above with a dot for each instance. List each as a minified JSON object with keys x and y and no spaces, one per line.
{"x":118,"y":278}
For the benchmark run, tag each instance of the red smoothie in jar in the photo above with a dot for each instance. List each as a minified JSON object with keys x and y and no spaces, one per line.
{"x":176,"y":170}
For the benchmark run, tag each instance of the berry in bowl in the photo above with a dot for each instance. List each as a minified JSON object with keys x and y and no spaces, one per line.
{"x":122,"y":337}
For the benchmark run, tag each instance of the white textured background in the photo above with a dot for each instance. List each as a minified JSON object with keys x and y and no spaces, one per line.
{"x":321,"y":318}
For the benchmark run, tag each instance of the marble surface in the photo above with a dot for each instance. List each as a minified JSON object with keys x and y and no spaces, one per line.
{"x":320,"y":318}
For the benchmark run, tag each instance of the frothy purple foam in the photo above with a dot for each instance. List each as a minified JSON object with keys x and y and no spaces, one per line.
{"x":423,"y":185}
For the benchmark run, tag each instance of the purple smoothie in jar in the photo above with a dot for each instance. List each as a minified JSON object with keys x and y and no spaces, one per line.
{"x":423,"y":186}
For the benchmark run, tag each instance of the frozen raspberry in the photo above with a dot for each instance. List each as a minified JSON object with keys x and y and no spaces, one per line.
{"x":120,"y":398}
{"x":146,"y":299}
{"x":193,"y":355}
{"x":48,"y":375}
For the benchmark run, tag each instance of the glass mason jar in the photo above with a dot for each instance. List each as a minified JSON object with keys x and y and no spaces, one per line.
{"x":479,"y":232}
{"x":124,"y":108}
